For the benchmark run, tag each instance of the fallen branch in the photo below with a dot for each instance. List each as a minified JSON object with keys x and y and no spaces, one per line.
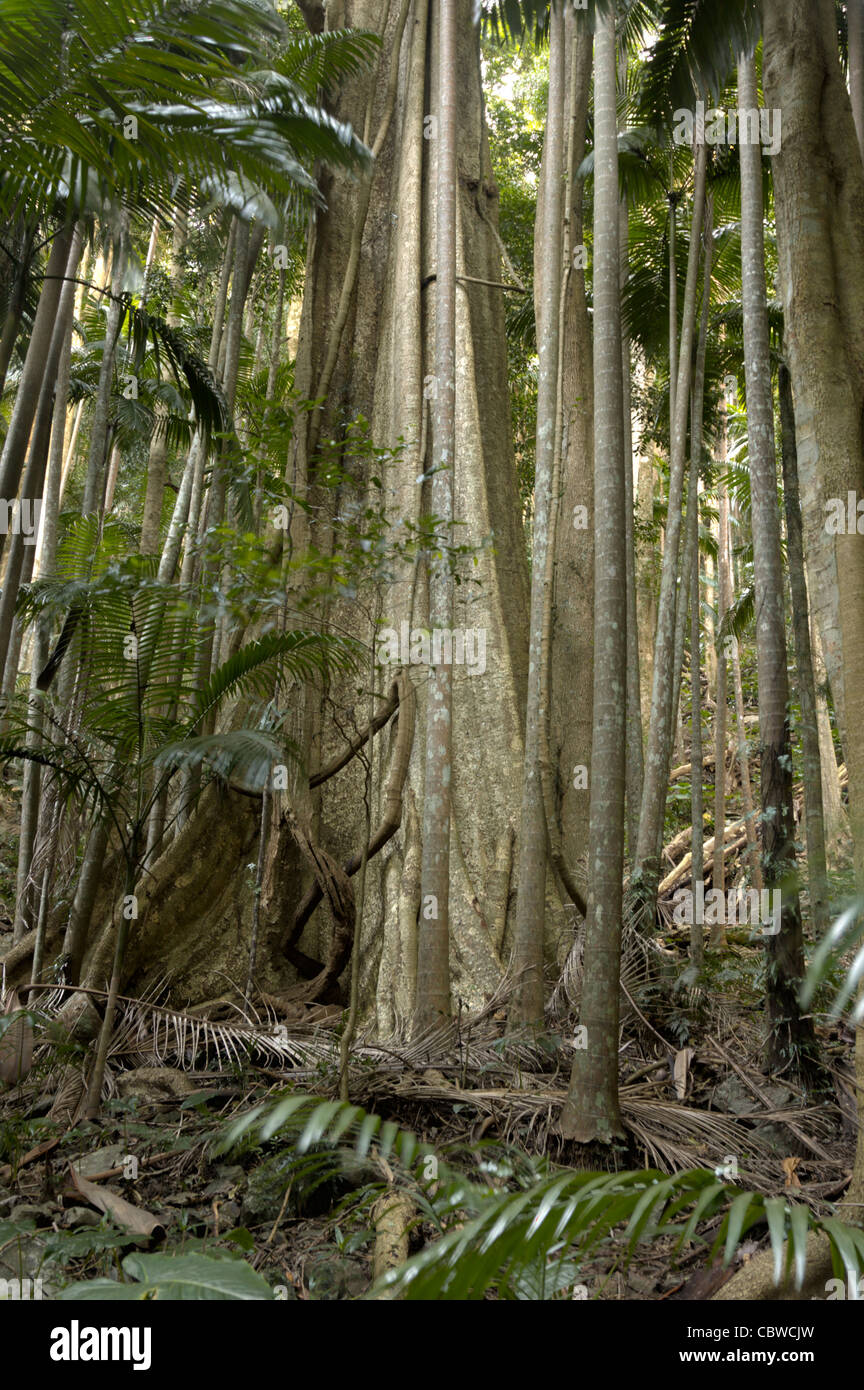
{"x":686,"y":768}
{"x":388,"y":709}
{"x":734,"y":836}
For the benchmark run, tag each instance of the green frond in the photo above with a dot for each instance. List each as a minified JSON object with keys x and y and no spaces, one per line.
{"x":502,"y":1235}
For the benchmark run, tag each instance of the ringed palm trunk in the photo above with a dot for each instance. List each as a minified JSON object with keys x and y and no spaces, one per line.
{"x":697,"y":447}
{"x":100,"y":429}
{"x":527,"y":1004}
{"x":646,"y":867}
{"x":855,"y":17}
{"x":591,"y":1111}
{"x":814,"y":819}
{"x":30,"y":384}
{"x":635,"y":760}
{"x":151,"y":517}
{"x":721,"y":708}
{"x":26,"y":902}
{"x":33,"y":482}
{"x":571,"y":636}
{"x":791,"y":1038}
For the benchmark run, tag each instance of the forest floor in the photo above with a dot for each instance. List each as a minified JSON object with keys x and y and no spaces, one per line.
{"x":153,"y":1173}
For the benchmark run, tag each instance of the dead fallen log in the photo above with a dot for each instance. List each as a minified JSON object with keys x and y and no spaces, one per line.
{"x":686,"y":768}
{"x":734,"y":836}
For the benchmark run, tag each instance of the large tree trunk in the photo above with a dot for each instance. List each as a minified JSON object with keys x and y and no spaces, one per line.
{"x":367,"y":311}
{"x":382,"y":358}
{"x":819,"y":193}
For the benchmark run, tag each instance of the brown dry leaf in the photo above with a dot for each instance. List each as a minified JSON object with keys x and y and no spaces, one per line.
{"x":136,"y":1221}
{"x":681,"y":1070}
{"x":16,"y":1044}
{"x":789,"y":1167}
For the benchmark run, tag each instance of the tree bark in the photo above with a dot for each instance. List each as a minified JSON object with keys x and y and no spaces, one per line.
{"x":791,"y":1038}
{"x":814,"y":821}
{"x":646,"y":868}
{"x":32,"y":375}
{"x":591,"y":1111}
{"x":527,"y":1004}
{"x":433,"y":946}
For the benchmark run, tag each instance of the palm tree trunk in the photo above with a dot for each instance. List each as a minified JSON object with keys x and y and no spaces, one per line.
{"x":646,"y":869}
{"x":33,"y":373}
{"x":591,"y":1111}
{"x":433,"y":945}
{"x":814,"y":820}
{"x":26,"y":902}
{"x":151,"y":517}
{"x":697,"y":843}
{"x":855,"y":17}
{"x":527,"y":1004}
{"x":744,"y":767}
{"x":721,"y":709}
{"x":100,"y":432}
{"x":635,"y":760}
{"x":571,"y":636}
{"x":697,"y":448}
{"x":791,"y":1036}
{"x":33,"y":483}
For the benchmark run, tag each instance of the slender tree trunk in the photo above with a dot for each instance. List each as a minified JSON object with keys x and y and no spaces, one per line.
{"x":744,"y":766}
{"x":718,"y":875}
{"x":791,"y":1037}
{"x":591,"y":1111}
{"x":646,"y":870}
{"x":527,"y":1004}
{"x":635,"y":760}
{"x":100,"y":428}
{"x":26,"y":901}
{"x":814,"y":821}
{"x":647,"y":577}
{"x":691,"y":520}
{"x":571,"y":637}
{"x":855,"y":14}
{"x":32,"y":375}
{"x":673,"y":300}
{"x":697,"y":449}
{"x":33,"y":483}
{"x":697,"y":843}
{"x":151,"y":516}
{"x":97,"y":1076}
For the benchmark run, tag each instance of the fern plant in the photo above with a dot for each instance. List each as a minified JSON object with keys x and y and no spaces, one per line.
{"x":141,"y":712}
{"x":501,"y":1240}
